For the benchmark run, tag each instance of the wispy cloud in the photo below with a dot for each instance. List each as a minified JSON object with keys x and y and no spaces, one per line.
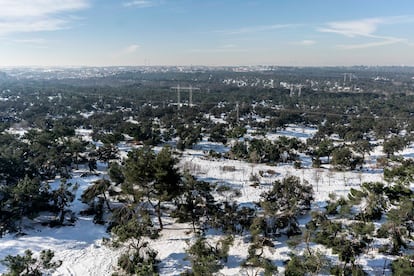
{"x":30,"y":41}
{"x":366,"y":28}
{"x":254,"y":29}
{"x":126,"y":52}
{"x":37,"y":15}
{"x":130,"y":49}
{"x":305,"y":42}
{"x":385,"y":41}
{"x":141,"y":3}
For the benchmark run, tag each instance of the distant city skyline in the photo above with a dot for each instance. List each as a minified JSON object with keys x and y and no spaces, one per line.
{"x":206,"y":32}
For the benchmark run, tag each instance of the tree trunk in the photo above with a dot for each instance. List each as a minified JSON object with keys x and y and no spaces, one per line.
{"x":158,"y":210}
{"x":107,"y":202}
{"x":76,"y":161}
{"x":62,"y":216}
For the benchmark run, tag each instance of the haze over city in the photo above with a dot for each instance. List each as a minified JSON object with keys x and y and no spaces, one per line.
{"x":183,"y":32}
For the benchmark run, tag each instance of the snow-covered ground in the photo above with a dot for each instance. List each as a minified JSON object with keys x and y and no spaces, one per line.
{"x":82,"y":251}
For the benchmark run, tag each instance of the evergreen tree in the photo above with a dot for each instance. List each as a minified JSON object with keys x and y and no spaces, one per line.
{"x":115,"y":173}
{"x":27,"y":198}
{"x":207,"y":259}
{"x":62,"y":197}
{"x":255,"y":259}
{"x":128,"y":227}
{"x":98,"y":189}
{"x":284,"y":202}
{"x":195,"y":201}
{"x":152,"y":177}
{"x":393,"y":144}
{"x":28,"y":265}
{"x":107,"y":152}
{"x":309,"y":263}
{"x":403,"y":266}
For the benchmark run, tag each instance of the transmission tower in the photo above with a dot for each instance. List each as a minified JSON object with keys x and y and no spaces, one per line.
{"x":190,"y":90}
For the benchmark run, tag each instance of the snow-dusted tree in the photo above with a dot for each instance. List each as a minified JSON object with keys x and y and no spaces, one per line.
{"x":324,"y":148}
{"x":28,"y":265}
{"x":115,"y":173}
{"x":371,"y":199}
{"x":256,"y":262}
{"x":129,"y":226}
{"x":62,"y":197}
{"x":284,"y":202}
{"x":343,"y":159}
{"x":403,"y":266}
{"x":311,"y":262}
{"x":393,"y":144}
{"x":398,"y":227}
{"x":362,"y":146}
{"x":26,"y":198}
{"x":96,"y":196}
{"x":195,"y":201}
{"x":107,"y":152}
{"x":207,"y":259}
{"x":152,"y":178}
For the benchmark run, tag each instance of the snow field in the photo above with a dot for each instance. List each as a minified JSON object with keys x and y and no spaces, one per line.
{"x":82,"y":251}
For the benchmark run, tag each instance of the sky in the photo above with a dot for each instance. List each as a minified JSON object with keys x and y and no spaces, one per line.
{"x":206,"y":32}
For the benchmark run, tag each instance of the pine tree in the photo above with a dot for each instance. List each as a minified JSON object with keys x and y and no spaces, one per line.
{"x":63,"y":197}
{"x":284,"y":202}
{"x":28,"y":265}
{"x":151,"y":177}
{"x":98,"y":189}
{"x":207,"y":259}
{"x":194,"y":202}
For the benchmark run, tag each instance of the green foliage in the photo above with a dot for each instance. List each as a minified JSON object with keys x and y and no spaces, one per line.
{"x":343,"y":159}
{"x":255,"y":260}
{"x":195,"y":201}
{"x":347,"y":249}
{"x":27,"y":198}
{"x":107,"y":152}
{"x":324,"y":148}
{"x":96,"y":192}
{"x":115,"y":173}
{"x":62,"y":197}
{"x":238,"y":151}
{"x":402,"y":174}
{"x":28,"y":265}
{"x":398,"y":228}
{"x":355,"y":270}
{"x":362,"y":146}
{"x":138,"y":169}
{"x":393,"y":144}
{"x":207,"y":259}
{"x":151,"y":177}
{"x":189,"y":135}
{"x":218,"y":133}
{"x":403,"y":266}
{"x":128,"y":222}
{"x":128,"y":227}
{"x":266,"y":151}
{"x":285,"y":201}
{"x":375,"y":201}
{"x":310,"y":263}
{"x":141,"y":262}
{"x":236,"y":132}
{"x":339,"y":206}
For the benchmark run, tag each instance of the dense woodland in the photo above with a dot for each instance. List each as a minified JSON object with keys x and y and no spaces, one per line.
{"x":147,"y":186}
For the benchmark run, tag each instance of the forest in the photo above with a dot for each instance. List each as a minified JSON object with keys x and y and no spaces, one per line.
{"x":252,"y":179}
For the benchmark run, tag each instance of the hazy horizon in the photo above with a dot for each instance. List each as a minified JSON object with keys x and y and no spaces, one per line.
{"x":319,"y":33}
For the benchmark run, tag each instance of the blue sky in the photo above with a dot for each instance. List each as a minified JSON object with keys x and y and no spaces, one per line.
{"x":206,"y":32}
